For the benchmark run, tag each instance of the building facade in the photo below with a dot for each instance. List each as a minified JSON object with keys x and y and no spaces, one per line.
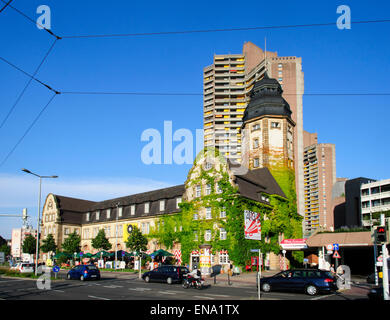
{"x":319,"y":178}
{"x":227,"y":85}
{"x":375,"y":199}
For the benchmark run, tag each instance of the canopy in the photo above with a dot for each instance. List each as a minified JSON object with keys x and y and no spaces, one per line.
{"x":119,"y":254}
{"x":102,"y":254}
{"x":85,"y":255}
{"x":161,"y":253}
{"x":62,"y":254}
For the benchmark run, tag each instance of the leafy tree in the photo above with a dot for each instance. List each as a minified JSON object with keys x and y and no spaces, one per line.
{"x":100,"y":242}
{"x":136,"y":240}
{"x":48,"y":244}
{"x":6,"y":249}
{"x":29,"y":244}
{"x":72,"y":243}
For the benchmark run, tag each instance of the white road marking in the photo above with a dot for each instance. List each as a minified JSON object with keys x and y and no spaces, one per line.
{"x":203,"y":297}
{"x":140,"y":289}
{"x":167,"y":292}
{"x":217,"y":295}
{"x":113,"y":286}
{"x":58,"y":290}
{"x":98,"y":298}
{"x":322,"y":297}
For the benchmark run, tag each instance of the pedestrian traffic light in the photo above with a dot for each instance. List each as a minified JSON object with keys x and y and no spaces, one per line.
{"x":380,"y":234}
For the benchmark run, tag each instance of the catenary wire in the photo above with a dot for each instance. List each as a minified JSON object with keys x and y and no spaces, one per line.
{"x":6,"y":5}
{"x":28,"y":130}
{"x":32,"y":77}
{"x":217,"y":30}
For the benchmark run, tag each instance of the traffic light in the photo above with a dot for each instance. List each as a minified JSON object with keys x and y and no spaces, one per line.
{"x":380,"y":234}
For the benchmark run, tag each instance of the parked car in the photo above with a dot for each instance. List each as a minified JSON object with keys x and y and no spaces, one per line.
{"x":168,"y":274}
{"x":375,"y":293}
{"x":15,"y":266}
{"x":26,"y":267}
{"x":84,"y":272}
{"x":310,"y":281}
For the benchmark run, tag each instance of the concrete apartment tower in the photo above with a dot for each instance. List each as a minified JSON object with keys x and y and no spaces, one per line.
{"x":227,"y":84}
{"x":319,"y":160}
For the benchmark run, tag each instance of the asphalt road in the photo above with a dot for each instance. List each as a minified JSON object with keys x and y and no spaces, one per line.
{"x":131,"y":288}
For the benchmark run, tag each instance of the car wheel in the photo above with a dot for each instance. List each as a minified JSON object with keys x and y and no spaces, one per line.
{"x":311,"y":290}
{"x":266,"y":287}
{"x":169,"y":280}
{"x":147,"y":279}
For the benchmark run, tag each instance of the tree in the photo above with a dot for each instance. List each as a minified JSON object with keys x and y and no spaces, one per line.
{"x":6,"y":249}
{"x":48,"y":244}
{"x":29,"y":244}
{"x":72,"y":243}
{"x":100,"y":242}
{"x":136,"y":240}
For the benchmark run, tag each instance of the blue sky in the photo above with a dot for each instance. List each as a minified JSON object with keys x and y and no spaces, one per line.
{"x":93,"y":142}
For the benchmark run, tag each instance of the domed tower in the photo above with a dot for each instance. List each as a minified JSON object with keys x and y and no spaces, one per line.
{"x":267,"y":129}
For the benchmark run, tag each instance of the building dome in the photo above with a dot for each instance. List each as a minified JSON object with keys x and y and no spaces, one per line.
{"x":266,"y":100}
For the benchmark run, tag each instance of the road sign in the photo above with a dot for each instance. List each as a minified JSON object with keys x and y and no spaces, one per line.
{"x":56,"y":269}
{"x":336,"y":255}
{"x":380,"y":258}
{"x":255,"y":250}
{"x":329,"y":251}
{"x":329,"y":247}
{"x":336,"y":247}
{"x":305,"y":260}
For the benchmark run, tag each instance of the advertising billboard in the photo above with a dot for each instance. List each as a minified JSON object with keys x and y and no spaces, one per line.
{"x":127,"y":229}
{"x":252,"y":225}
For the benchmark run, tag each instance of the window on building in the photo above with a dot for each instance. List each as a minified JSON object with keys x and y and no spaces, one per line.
{"x":120,"y":211}
{"x":97,"y":215}
{"x":66,"y":231}
{"x":162,"y":205}
{"x":223,"y":213}
{"x":208,"y":165}
{"x":88,"y":216}
{"x":207,"y":235}
{"x":197,"y":191}
{"x":255,"y":143}
{"x":132,"y":210}
{"x":222,"y":234}
{"x":223,"y":258}
{"x":108,"y":213}
{"x":146,"y":207}
{"x":275,"y":124}
{"x":219,"y":189}
{"x":256,"y":127}
{"x":375,"y":203}
{"x":256,"y":162}
{"x":195,"y":216}
{"x":95,"y":231}
{"x":208,"y":189}
{"x":195,"y":236}
{"x":208,"y":213}
{"x":375,"y":190}
{"x":178,"y":200}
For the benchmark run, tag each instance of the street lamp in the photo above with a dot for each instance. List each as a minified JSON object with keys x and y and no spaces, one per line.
{"x":116,"y":233}
{"x":39,"y":212}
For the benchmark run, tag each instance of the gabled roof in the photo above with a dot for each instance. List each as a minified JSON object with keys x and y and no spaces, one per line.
{"x":73,"y":204}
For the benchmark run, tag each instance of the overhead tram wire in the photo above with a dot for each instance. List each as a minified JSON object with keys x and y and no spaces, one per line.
{"x":28,"y":129}
{"x":32,"y":20}
{"x":6,"y":5}
{"x":217,"y":30}
{"x":32,"y":77}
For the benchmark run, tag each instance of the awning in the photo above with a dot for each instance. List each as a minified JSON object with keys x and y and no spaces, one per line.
{"x":293,"y":244}
{"x":343,"y":239}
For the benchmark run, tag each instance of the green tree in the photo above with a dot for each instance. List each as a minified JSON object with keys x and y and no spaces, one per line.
{"x":100,"y":242}
{"x":136,"y":241}
{"x":48,"y":244}
{"x":72,"y":243}
{"x":6,"y":249}
{"x":29,"y":244}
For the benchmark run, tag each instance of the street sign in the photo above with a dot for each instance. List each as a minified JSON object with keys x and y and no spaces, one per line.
{"x":255,"y":250}
{"x":336,"y":247}
{"x":56,"y":269}
{"x":329,"y":252}
{"x":380,"y":258}
{"x":329,"y":247}
{"x":336,"y":255}
{"x":305,"y":260}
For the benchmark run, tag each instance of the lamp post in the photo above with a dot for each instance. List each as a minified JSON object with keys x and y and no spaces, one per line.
{"x":116,"y":233}
{"x":39,"y":212}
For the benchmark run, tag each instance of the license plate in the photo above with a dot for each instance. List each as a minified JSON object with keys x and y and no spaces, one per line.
{"x":93,"y":276}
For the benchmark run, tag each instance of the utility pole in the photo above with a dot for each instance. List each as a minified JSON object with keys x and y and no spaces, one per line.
{"x":385,"y":276}
{"x":375,"y":253}
{"x":116,"y":234}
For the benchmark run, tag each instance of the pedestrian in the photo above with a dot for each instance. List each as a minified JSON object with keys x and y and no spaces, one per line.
{"x":332,"y":270}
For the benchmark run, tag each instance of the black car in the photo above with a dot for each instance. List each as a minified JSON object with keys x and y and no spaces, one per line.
{"x":310,"y":281}
{"x":168,"y":274}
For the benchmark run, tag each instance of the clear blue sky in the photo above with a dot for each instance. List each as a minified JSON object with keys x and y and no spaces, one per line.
{"x":93,"y":142}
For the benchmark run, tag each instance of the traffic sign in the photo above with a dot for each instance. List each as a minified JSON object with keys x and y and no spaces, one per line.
{"x":380,"y":258}
{"x":336,"y":255}
{"x":255,"y":250}
{"x":336,"y":247}
{"x":56,"y":269}
{"x":329,"y":251}
{"x":329,"y":247}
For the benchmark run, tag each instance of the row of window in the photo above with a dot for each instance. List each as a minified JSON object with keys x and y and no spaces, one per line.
{"x":222,"y":214}
{"x":162,"y":205}
{"x":208,"y":235}
{"x":376,"y":190}
{"x":208,"y":189}
{"x":376,"y":203}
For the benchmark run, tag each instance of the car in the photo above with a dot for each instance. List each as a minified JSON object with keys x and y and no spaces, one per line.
{"x":169,"y":274}
{"x":15,"y":266}
{"x":310,"y":281}
{"x":25,"y":267}
{"x":84,"y":272}
{"x":375,"y":293}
